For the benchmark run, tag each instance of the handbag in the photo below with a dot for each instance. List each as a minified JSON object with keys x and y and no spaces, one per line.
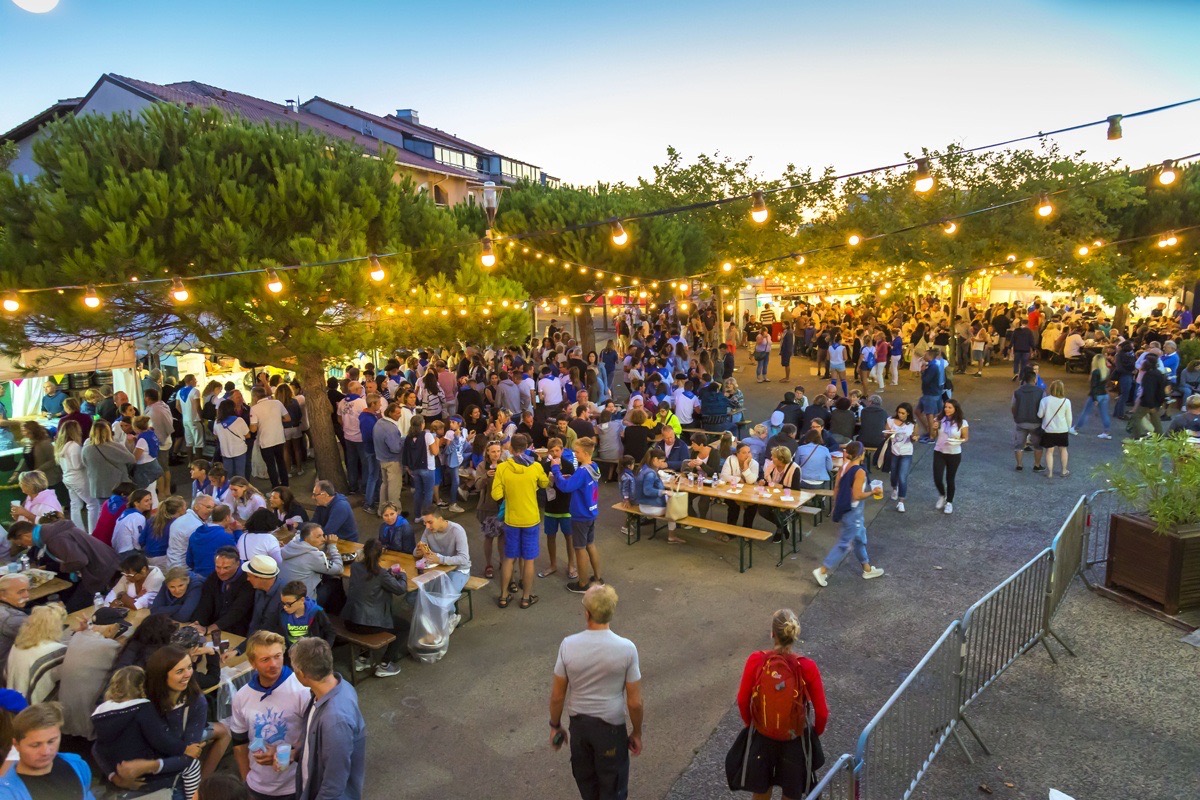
{"x":677,"y":505}
{"x":737,"y":760}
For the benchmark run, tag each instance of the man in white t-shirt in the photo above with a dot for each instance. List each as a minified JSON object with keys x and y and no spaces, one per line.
{"x":188,"y":401}
{"x":267,"y":712}
{"x":686,"y":403}
{"x":551,"y":392}
{"x":601,"y":672}
{"x":528,"y":389}
{"x":267,"y":416}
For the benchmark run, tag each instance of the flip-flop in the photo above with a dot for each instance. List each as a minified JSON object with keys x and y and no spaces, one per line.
{"x":572,"y":576}
{"x":488,"y":572}
{"x":548,"y":573}
{"x":526,"y":602}
{"x":504,"y":601}
{"x":676,"y":541}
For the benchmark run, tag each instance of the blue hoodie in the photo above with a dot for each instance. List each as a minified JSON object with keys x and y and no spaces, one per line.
{"x":398,"y":536}
{"x":203,"y":545}
{"x":584,"y":486}
{"x":337,"y":518}
{"x":11,"y":785}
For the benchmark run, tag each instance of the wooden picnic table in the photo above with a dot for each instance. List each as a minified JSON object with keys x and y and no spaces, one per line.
{"x":389,"y":559}
{"x":237,"y":663}
{"x":747,"y":494}
{"x":50,"y":587}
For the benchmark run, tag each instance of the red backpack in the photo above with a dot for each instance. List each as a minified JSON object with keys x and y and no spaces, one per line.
{"x":779,"y":698}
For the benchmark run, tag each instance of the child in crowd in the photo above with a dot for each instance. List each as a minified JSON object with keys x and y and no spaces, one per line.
{"x":110,"y":510}
{"x":127,"y":533}
{"x":454,"y":445}
{"x":200,"y":482}
{"x":395,"y":533}
{"x":219,"y":488}
{"x":628,"y":493}
{"x":488,"y":511}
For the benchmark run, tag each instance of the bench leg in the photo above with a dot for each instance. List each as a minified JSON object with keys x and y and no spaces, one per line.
{"x":741,"y":555}
{"x":353,"y":659}
{"x":469,"y":594}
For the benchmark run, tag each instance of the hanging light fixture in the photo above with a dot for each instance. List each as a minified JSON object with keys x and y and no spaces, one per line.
{"x":488,"y":259}
{"x":90,"y":298}
{"x":377,"y":273}
{"x":758,"y":210}
{"x":726,"y":267}
{"x":619,"y":237}
{"x":1083,"y":250}
{"x":274,"y":284}
{"x":924,"y":181}
{"x":1044,"y":207}
{"x":800,"y":261}
{"x":1166,"y":174}
{"x":855,"y":240}
{"x":12,"y":303}
{"x":1168,"y":240}
{"x":1114,"y":127}
{"x":949,"y":227}
{"x":178,"y":291}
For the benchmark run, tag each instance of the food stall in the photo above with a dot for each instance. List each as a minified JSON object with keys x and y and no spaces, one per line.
{"x":77,"y":366}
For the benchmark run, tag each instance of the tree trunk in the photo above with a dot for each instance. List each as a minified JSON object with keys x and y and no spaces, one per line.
{"x":1121,"y":317}
{"x":326,"y":449}
{"x":586,"y":329}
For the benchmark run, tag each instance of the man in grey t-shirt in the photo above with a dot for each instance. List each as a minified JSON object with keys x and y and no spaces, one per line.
{"x":602,"y":673}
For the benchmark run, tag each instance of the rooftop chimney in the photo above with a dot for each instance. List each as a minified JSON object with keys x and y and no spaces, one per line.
{"x":408,"y":115}
{"x":291,"y":105}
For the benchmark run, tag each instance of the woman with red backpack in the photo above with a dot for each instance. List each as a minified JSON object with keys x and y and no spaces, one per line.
{"x":783,"y":706}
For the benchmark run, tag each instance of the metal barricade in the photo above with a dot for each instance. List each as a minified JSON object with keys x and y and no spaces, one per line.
{"x":1003,"y":624}
{"x":898,"y":745}
{"x":1101,"y":506}
{"x":1067,"y":549}
{"x":838,"y":783}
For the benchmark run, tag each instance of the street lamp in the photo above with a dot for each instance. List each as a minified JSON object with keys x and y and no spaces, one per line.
{"x":36,"y":6}
{"x":491,"y":201}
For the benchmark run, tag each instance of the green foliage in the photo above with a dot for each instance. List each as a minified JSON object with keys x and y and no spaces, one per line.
{"x":1189,"y":351}
{"x":8,"y":154}
{"x":1161,"y":476}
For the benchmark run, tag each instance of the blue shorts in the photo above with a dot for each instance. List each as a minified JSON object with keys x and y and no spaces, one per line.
{"x":931,"y":403}
{"x":522,"y":542}
{"x":552,"y":525}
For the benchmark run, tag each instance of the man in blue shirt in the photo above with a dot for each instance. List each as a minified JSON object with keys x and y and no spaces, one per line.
{"x":333,"y":512}
{"x":206,"y":540}
{"x":52,"y":403}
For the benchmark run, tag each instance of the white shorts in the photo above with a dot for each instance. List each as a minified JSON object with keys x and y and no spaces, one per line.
{"x":193,"y":434}
{"x":292,"y":433}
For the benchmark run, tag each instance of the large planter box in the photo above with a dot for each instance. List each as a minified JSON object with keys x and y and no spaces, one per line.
{"x":1163,"y":567}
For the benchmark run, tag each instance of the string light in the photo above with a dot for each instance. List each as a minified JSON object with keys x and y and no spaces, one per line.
{"x":1044,"y":207}
{"x":488,"y":258}
{"x":924,"y":181}
{"x":854,"y":240}
{"x":726,"y":267}
{"x":1011,"y":258}
{"x":1029,"y":264}
{"x":1166,"y":175}
{"x":179,"y":291}
{"x":1083,"y":250}
{"x":274,"y":284}
{"x":1114,"y":127}
{"x":619,"y":237}
{"x":1169,"y":240}
{"x":12,"y":303}
{"x":949,"y":228}
{"x":800,"y":261}
{"x":90,"y":298}
{"x":759,"y":211}
{"x":377,"y":273}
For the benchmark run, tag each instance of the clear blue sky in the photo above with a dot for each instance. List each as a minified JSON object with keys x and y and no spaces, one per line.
{"x":597,"y":91}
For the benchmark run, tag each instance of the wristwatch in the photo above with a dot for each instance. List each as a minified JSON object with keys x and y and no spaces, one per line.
{"x":555,"y":725}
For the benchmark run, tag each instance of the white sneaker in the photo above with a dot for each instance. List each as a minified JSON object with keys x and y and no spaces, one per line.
{"x":822,"y":578}
{"x":456,"y":509}
{"x":387,"y":669}
{"x":1105,"y":435}
{"x":940,"y":504}
{"x":895,"y":494}
{"x":455,"y":619}
{"x":949,"y":509}
{"x":900,"y":506}
{"x":873,"y":572}
{"x":362,"y":664}
{"x":1074,"y":432}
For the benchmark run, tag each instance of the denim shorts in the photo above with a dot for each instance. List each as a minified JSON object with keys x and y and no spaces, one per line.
{"x":551,"y":525}
{"x":522,"y":542}
{"x":583,"y":533}
{"x":931,"y":403}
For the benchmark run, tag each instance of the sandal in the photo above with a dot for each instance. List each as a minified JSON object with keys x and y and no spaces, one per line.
{"x":573,"y":576}
{"x":676,"y":541}
{"x":504,"y":600}
{"x":526,"y":602}
{"x":512,"y":587}
{"x":488,"y":572}
{"x":548,"y":573}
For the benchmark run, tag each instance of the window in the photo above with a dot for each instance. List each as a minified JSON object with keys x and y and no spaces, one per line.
{"x":439,"y":195}
{"x":454,"y":158}
{"x":519,"y":171}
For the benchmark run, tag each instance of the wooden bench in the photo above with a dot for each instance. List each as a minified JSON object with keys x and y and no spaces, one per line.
{"x":371,"y":642}
{"x":746,"y":537}
{"x":473,"y":583}
{"x":642,"y":519}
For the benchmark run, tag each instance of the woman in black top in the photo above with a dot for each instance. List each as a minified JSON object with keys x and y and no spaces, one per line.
{"x":369,"y":606}
{"x":635,"y":436}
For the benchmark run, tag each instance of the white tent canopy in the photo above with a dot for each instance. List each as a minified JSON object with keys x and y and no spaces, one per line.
{"x":53,"y":360}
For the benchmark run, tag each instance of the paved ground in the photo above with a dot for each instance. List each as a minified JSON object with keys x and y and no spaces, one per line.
{"x":474,"y":724}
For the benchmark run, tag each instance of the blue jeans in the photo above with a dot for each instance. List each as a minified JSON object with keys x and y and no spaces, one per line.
{"x":236,"y":465}
{"x":422,"y":485}
{"x":1020,"y":361}
{"x":760,"y":367}
{"x":900,"y":469}
{"x":354,"y":465}
{"x":450,"y":476}
{"x":1100,"y":403}
{"x":1125,"y":384}
{"x":853,"y":535}
{"x":370,"y":469}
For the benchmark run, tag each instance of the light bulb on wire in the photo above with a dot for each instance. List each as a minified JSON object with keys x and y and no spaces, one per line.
{"x":178,"y":291}
{"x":949,"y":228}
{"x":1044,"y":207}
{"x":727,"y":267}
{"x":855,"y":240}
{"x":1166,"y":175}
{"x":619,"y":237}
{"x":924,"y":181}
{"x":1169,"y":240}
{"x":377,"y":273}
{"x":274,"y":284}
{"x":12,"y":303}
{"x":488,"y":259}
{"x":1083,"y":250}
{"x":90,"y":298}
{"x":1114,"y":127}
{"x":759,"y":211}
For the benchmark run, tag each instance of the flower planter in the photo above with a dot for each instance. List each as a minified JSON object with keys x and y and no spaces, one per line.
{"x":1163,"y":567}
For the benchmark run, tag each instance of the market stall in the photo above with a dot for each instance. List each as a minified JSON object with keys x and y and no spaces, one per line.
{"x":77,"y":366}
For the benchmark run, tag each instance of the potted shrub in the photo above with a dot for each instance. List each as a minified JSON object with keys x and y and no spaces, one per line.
{"x":1155,"y":551}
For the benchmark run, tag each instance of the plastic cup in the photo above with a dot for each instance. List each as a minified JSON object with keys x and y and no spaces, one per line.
{"x":877,"y":489}
{"x":257,"y":746}
{"x":283,"y":755}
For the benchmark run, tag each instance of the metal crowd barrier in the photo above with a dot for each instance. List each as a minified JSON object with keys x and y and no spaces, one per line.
{"x":898,"y":745}
{"x":1100,"y":506}
{"x":838,"y":783}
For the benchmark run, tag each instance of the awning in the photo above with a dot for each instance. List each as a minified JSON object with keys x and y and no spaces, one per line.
{"x":69,"y":358}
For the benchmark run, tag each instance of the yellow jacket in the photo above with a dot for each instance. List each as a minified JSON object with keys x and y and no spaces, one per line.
{"x":516,"y":484}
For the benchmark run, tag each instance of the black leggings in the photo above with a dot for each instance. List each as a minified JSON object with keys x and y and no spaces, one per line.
{"x":748,"y":511}
{"x":945,"y":464}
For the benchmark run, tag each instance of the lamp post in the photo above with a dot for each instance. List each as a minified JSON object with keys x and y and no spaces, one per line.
{"x":491,"y":201}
